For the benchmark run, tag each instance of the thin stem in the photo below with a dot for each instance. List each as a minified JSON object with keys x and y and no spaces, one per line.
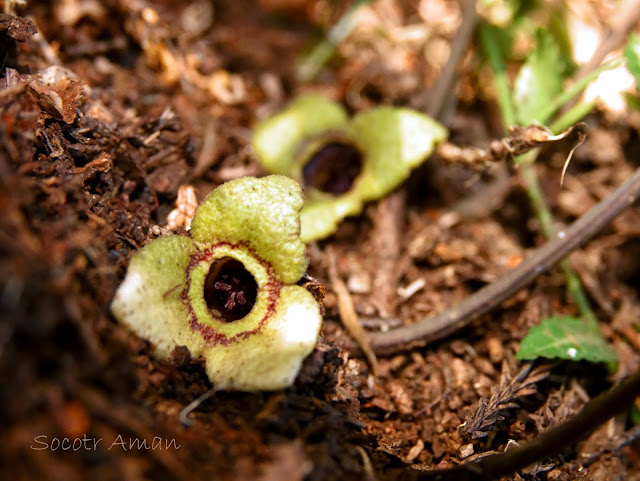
{"x":489,"y":41}
{"x":535,"y":194}
{"x":534,"y":191}
{"x":183,"y":416}
{"x":572,"y":116}
{"x":446,"y":83}
{"x":309,"y":66}
{"x":536,"y":197}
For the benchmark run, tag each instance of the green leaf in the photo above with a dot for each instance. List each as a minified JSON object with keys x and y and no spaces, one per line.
{"x":565,"y":337}
{"x":539,"y":80}
{"x":632,"y":54}
{"x":559,"y":30}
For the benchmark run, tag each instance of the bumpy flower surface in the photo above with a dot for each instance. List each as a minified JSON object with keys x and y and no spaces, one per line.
{"x":343,"y":163}
{"x":227,"y":292}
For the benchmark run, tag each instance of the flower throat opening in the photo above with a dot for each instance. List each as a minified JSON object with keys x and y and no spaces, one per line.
{"x":333,"y":168}
{"x":230,"y":290}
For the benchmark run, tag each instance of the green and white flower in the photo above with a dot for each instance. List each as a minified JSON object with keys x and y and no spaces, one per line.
{"x":343,"y":163}
{"x":228,"y":291}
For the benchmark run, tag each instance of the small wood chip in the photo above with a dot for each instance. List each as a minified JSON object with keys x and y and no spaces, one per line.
{"x":359,"y":283}
{"x":406,"y":292}
{"x":494,"y":346}
{"x":466,"y":451}
{"x":401,"y":398}
{"x":415,"y":451}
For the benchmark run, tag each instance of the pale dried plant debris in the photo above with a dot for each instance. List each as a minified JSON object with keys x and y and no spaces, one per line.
{"x":70,"y":12}
{"x":478,"y":424}
{"x":186,"y":205}
{"x":156,"y":38}
{"x":537,"y":469}
{"x":466,"y":451}
{"x":411,"y":289}
{"x":10,"y":6}
{"x":415,"y":451}
{"x":348,"y":313}
{"x":197,"y":18}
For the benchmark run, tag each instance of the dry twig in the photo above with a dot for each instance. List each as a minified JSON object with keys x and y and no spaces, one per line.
{"x":348,"y":312}
{"x":441,"y":94}
{"x":387,"y":236}
{"x":519,"y":141}
{"x":446,"y":323}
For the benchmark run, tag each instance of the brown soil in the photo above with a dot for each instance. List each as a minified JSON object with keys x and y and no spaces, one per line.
{"x":148,"y":96}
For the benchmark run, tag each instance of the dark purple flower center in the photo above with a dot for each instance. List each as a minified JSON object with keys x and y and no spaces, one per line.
{"x":333,"y":168}
{"x":230,"y":290}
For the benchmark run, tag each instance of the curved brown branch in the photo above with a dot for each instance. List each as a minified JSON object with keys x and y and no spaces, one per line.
{"x":446,"y":323}
{"x":440,"y":96}
{"x":549,"y":443}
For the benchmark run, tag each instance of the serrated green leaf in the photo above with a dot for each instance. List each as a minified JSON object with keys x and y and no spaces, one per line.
{"x":565,"y":337}
{"x":632,"y":54}
{"x":539,"y":80}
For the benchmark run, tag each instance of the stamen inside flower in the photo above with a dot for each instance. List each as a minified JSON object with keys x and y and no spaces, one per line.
{"x":333,"y":168}
{"x":230,"y":290}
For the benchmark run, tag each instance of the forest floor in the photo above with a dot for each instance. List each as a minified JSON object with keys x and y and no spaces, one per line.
{"x":145,"y":97}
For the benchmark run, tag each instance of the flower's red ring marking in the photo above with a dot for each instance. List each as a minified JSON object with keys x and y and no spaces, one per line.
{"x":211,"y":335}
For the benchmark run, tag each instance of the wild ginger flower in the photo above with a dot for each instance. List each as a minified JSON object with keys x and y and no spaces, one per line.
{"x":228,"y":291}
{"x":343,"y":163}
